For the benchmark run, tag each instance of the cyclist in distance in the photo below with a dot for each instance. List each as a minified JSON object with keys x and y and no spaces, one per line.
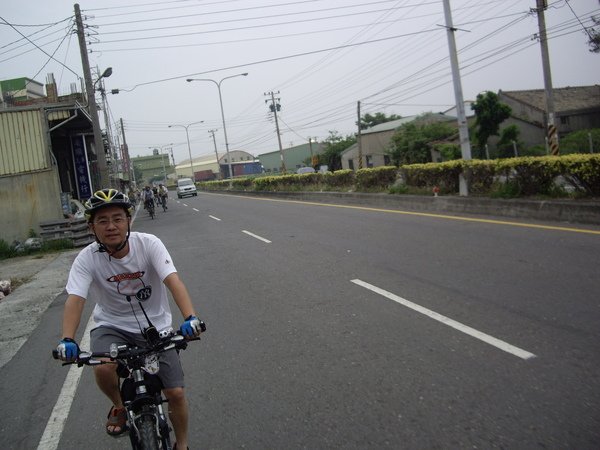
{"x":163,"y":193}
{"x":125,"y":273}
{"x":148,"y":197}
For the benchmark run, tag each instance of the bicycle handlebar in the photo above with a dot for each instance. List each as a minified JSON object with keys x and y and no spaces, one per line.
{"x":175,"y":340}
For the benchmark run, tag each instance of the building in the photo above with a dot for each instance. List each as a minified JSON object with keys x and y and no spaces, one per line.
{"x":208,"y":168}
{"x":47,"y":155}
{"x":153,"y":169}
{"x":576,"y":108}
{"x":20,"y":89}
{"x":376,"y":141}
{"x":293,"y":157}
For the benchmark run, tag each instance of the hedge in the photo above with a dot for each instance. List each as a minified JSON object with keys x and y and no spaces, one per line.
{"x":525,"y":176}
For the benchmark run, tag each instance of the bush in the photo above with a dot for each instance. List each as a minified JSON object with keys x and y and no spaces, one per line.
{"x":378,"y":178}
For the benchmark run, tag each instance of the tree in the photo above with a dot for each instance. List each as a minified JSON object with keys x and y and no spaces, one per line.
{"x":412,"y":143}
{"x":489,"y":113}
{"x":334,"y":146}
{"x":505,"y":145}
{"x":368,"y":121}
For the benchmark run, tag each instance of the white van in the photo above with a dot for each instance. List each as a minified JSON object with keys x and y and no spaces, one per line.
{"x":185,"y":186}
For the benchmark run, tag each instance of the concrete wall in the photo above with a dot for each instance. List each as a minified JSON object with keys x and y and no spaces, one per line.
{"x":28,"y":199}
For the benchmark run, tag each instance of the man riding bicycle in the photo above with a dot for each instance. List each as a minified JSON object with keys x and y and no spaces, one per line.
{"x":163,"y":194}
{"x":122,"y":269}
{"x":148,"y":198}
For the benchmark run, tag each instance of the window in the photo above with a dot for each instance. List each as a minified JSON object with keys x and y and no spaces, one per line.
{"x":564,"y":120}
{"x":369,"y":159}
{"x":351,"y":164}
{"x":386,"y":160}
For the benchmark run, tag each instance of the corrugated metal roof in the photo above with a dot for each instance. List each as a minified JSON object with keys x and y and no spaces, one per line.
{"x":22,"y":142}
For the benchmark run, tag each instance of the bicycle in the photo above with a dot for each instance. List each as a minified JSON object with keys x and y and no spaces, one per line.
{"x":141,"y":389}
{"x":150,"y":208}
{"x":163,"y":202}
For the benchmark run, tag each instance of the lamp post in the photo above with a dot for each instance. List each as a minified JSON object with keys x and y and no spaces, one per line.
{"x":222,"y":113}
{"x":188,"y":144}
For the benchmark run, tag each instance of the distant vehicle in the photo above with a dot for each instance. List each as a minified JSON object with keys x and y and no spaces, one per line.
{"x":185,"y":186}
{"x":305,"y":170}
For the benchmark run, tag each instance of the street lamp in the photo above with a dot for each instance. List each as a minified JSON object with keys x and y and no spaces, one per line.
{"x":222,"y":113}
{"x":188,"y":142}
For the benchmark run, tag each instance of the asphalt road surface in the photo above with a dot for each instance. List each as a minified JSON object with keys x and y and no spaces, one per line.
{"x":355,"y":328}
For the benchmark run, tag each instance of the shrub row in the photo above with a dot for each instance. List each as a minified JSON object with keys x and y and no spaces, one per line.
{"x":519,"y":177}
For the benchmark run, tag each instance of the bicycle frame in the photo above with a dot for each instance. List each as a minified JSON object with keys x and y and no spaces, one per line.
{"x":141,"y":389}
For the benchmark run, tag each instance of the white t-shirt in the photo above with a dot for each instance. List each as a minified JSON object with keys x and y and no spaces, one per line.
{"x":138,"y":276}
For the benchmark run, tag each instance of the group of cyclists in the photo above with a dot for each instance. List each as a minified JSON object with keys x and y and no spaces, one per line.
{"x":151,"y":197}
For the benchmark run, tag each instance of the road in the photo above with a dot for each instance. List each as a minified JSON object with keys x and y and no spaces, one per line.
{"x":337,"y":327}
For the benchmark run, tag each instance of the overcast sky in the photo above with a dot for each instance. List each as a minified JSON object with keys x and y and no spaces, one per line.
{"x":319,"y":56}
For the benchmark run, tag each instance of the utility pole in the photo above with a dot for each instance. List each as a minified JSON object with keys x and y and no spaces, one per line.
{"x":127,"y":168}
{"x":112,"y":162}
{"x":274,"y":107}
{"x":212,"y":132}
{"x":312,"y":158}
{"x":551,"y":131}
{"x":358,"y":138}
{"x":91,"y":103}
{"x":463,"y":129}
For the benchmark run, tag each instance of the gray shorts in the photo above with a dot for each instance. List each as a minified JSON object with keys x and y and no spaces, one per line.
{"x":170,"y":373}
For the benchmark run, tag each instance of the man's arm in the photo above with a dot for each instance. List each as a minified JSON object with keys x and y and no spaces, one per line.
{"x":72,"y":315}
{"x":180,"y":295}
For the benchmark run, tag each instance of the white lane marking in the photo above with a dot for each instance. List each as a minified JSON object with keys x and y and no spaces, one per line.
{"x":450,"y":322}
{"x":257,"y":237}
{"x":213,"y":217}
{"x":58,"y":417}
{"x":197,"y":210}
{"x":183,"y":204}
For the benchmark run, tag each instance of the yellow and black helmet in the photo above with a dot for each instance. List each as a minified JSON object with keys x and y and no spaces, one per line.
{"x":106,"y":197}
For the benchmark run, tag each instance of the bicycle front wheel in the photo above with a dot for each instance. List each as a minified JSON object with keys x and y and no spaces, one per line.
{"x":148,"y":434}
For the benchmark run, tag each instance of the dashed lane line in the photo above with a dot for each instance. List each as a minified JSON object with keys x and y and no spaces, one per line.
{"x":256,"y":236}
{"x":504,"y":346}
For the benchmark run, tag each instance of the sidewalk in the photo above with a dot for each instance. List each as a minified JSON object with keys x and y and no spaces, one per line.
{"x":21,"y":310}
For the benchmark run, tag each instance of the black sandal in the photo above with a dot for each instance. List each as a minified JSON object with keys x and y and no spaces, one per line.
{"x":117,"y":417}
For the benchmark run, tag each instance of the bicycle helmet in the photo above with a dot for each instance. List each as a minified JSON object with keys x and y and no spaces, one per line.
{"x":106,"y":197}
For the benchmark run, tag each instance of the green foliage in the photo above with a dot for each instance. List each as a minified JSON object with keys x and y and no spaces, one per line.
{"x":443,"y":175}
{"x":505,"y":178}
{"x":480,"y":175}
{"x":448,"y":151}
{"x":505,"y":145}
{"x":8,"y":251}
{"x":413,"y":141}
{"x":582,"y":172}
{"x":579,"y":142}
{"x":378,"y":178}
{"x":368,"y":121}
{"x":334,"y":146}
{"x":489,"y":113}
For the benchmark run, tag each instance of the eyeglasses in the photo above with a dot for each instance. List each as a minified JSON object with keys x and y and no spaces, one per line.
{"x":105,"y":221}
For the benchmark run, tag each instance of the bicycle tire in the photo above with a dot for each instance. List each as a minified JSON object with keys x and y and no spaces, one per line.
{"x":148,"y":435}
